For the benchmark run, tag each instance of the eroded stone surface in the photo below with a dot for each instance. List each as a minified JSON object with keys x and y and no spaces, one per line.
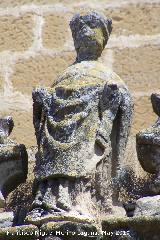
{"x":23,"y":126}
{"x":148,"y":206}
{"x":70,"y":231}
{"x":6,"y":219}
{"x":148,"y":146}
{"x":25,"y":232}
{"x":81,"y":123}
{"x":13,"y":160}
{"x":6,"y":126}
{"x":135,"y":228}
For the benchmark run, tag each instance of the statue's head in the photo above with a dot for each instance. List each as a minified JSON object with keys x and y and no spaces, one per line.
{"x":90,"y":33}
{"x":6,"y":127}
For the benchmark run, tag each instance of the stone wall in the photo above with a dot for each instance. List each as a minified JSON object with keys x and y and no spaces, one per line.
{"x":36,"y":45}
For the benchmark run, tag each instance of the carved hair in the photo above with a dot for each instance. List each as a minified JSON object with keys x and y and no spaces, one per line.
{"x":94,"y":20}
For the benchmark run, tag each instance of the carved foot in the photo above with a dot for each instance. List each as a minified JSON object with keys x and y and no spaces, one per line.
{"x":52,"y":198}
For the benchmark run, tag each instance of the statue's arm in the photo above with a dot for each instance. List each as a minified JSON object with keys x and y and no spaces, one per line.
{"x":37,"y":112}
{"x":123,"y":125}
{"x":115,"y":111}
{"x":108,"y":108}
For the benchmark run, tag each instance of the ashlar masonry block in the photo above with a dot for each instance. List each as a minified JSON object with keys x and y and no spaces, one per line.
{"x":135,"y":19}
{"x":41,"y":70}
{"x":16,"y":32}
{"x":56,"y":30}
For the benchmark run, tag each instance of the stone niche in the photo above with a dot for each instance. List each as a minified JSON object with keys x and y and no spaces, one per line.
{"x":82,"y":124}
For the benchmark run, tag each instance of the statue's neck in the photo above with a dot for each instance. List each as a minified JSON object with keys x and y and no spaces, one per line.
{"x":86,"y":56}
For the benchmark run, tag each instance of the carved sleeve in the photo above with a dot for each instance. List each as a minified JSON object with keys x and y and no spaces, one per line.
{"x":122,"y":125}
{"x":108,"y":108}
{"x":115,"y":112}
{"x":37,"y":112}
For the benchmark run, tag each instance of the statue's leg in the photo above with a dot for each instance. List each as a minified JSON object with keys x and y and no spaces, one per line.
{"x":119,"y":138}
{"x":39,"y":195}
{"x":49,"y":202}
{"x":63,"y":200}
{"x":37,"y":209}
{"x":52,"y":196}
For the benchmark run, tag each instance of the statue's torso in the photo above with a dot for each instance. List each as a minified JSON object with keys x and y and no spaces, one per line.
{"x":71,"y":119}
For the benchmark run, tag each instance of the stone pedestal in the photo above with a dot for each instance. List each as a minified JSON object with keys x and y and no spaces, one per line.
{"x":70,"y":231}
{"x":137,"y":227}
{"x":6,"y":219}
{"x":26,"y":232}
{"x":13,"y":160}
{"x":148,"y":206}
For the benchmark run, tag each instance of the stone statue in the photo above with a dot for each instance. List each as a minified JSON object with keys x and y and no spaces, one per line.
{"x":148,"y":147}
{"x":148,"y":152}
{"x":81,"y":124}
{"x":13,"y":166}
{"x":6,"y":127}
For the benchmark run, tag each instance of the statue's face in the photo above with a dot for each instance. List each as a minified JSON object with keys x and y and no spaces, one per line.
{"x":149,"y":157}
{"x":88,"y":38}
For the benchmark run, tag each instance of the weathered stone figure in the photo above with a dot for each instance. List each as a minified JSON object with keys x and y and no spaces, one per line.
{"x":148,"y":146}
{"x":81,"y":124}
{"x":13,"y":160}
{"x":148,"y":151}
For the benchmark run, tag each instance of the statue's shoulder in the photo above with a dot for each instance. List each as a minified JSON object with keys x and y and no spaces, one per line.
{"x":41,"y":93}
{"x":87,"y":73}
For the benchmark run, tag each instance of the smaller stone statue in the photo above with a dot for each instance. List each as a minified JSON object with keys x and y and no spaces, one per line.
{"x":148,"y":151}
{"x":148,"y":146}
{"x":6,"y":127}
{"x":13,"y":160}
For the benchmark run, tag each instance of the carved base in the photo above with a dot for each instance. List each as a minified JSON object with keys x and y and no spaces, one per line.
{"x":36,"y":218}
{"x":6,"y":219}
{"x":26,"y":232}
{"x":70,"y":231}
{"x":131,"y":228}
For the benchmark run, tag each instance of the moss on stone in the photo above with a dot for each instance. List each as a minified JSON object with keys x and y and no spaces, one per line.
{"x":140,"y":224}
{"x":38,"y":221}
